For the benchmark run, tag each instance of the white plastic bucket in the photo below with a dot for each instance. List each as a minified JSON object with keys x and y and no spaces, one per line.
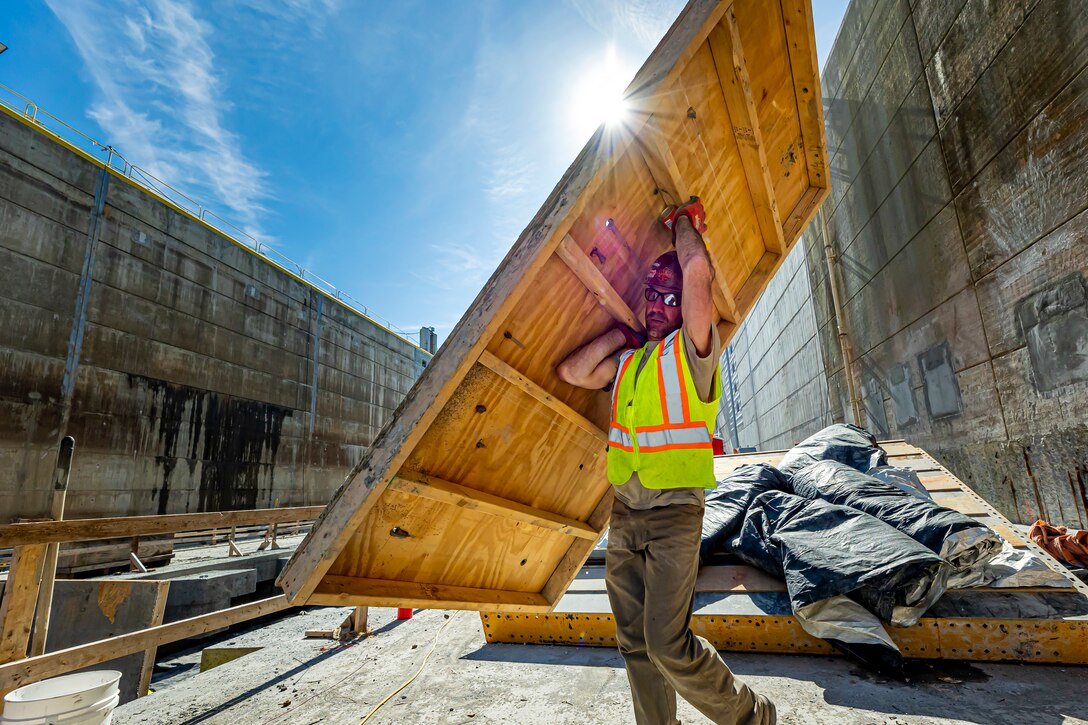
{"x":85,"y":698}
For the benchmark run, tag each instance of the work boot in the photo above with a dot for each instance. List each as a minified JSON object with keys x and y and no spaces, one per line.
{"x":766,"y":714}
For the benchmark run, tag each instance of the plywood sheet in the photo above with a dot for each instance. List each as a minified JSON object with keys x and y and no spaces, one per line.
{"x":487,"y":490}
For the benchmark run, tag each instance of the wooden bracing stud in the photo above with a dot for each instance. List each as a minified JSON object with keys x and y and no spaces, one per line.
{"x":584,"y":269}
{"x":736,"y":88}
{"x":663,"y":169}
{"x":20,"y":596}
{"x":353,"y":627}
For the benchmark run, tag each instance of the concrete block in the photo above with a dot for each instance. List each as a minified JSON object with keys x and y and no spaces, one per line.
{"x":194,"y":594}
{"x":1032,"y":186}
{"x":90,"y":610}
{"x":846,"y":43}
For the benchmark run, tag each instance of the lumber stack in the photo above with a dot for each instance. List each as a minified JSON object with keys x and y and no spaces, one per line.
{"x":487,"y":490}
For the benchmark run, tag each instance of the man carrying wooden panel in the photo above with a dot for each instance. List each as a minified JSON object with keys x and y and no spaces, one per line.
{"x":665,"y":394}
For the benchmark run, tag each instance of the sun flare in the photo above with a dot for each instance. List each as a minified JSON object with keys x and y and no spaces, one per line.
{"x":598,"y":94}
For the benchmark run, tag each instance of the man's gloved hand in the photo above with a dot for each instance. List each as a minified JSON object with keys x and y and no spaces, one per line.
{"x":632,"y":339}
{"x":692,"y":209}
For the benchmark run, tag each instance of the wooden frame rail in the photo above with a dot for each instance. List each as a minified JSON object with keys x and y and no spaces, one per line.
{"x":437,"y":489}
{"x":33,"y":669}
{"x":30,"y":539}
{"x":45,"y":532}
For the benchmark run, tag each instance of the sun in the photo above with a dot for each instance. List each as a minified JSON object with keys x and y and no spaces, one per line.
{"x":598,"y":94}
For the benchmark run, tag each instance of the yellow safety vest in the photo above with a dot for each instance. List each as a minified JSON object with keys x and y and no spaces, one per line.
{"x":660,"y":428}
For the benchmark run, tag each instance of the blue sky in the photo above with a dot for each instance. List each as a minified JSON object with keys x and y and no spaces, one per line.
{"x":395,"y":149}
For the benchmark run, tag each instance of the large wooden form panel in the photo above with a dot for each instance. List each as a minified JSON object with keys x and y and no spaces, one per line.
{"x":488,"y":490}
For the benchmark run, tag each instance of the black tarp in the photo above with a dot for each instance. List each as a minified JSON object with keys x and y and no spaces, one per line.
{"x":824,"y":550}
{"x":842,"y":568}
{"x":960,"y":539}
{"x":842,"y":442}
{"x":727,"y":504}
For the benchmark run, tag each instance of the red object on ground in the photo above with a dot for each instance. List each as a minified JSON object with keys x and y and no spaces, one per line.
{"x":719,"y":446}
{"x":1068,"y":545}
{"x":404,"y":613}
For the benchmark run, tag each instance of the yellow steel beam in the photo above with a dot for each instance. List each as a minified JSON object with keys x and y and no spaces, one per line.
{"x":978,"y":639}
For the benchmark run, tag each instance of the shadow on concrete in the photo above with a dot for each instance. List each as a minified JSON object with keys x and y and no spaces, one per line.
{"x":982,"y":693}
{"x":237,"y":699}
{"x":301,"y":667}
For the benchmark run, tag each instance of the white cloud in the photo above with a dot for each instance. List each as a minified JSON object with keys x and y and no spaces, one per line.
{"x":639,"y":23}
{"x":161,"y":99}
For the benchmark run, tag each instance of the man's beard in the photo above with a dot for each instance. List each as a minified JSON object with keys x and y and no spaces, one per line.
{"x":658,"y":327}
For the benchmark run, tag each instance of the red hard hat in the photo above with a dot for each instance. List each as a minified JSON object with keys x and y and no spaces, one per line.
{"x":665,"y":273}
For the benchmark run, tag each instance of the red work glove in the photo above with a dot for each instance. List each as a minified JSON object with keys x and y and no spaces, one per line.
{"x":632,"y":340}
{"x":692,"y":209}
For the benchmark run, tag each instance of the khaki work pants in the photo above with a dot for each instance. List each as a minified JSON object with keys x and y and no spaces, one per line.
{"x":651,"y":564}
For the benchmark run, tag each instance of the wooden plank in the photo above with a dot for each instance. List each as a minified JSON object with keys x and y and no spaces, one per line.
{"x":717,"y":578}
{"x":966,"y":504}
{"x":20,"y":596}
{"x":584,"y":269}
{"x":736,"y":87}
{"x":757,"y":281}
{"x":455,"y":494}
{"x":44,"y":532}
{"x":33,"y":669}
{"x":982,"y":638}
{"x":493,"y":363}
{"x":152,"y":650}
{"x":803,"y":213}
{"x":810,"y":107}
{"x":338,"y":590}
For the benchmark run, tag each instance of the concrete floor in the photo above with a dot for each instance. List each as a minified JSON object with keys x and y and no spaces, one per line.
{"x":294,"y":680}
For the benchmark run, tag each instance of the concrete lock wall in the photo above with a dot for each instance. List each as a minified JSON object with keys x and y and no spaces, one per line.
{"x":775,"y":387}
{"x":959,"y":208}
{"x":187,"y":372}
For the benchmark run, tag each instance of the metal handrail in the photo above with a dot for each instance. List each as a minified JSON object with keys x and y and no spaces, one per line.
{"x":155,"y":185}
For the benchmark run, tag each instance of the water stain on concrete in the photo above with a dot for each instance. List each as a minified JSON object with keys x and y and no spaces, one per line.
{"x":233,"y":441}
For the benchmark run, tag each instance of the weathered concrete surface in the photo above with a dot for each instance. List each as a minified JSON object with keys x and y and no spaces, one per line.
{"x":195,"y":594}
{"x":194,"y":375}
{"x":773,"y":373}
{"x":959,"y":210}
{"x":95,"y":609}
{"x":466,"y":680}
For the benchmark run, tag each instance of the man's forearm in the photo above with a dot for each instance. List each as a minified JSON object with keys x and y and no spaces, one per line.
{"x":591,"y":366}
{"x":690,"y":249}
{"x":698,"y":298}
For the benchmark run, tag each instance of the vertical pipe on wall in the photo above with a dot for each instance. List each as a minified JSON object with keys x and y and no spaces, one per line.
{"x":841,"y":323}
{"x":83,"y":298}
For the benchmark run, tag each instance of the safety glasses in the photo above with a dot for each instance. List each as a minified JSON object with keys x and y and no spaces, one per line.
{"x":669,"y":299}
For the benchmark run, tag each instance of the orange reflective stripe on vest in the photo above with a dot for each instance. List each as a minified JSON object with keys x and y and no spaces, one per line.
{"x":671,"y":443}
